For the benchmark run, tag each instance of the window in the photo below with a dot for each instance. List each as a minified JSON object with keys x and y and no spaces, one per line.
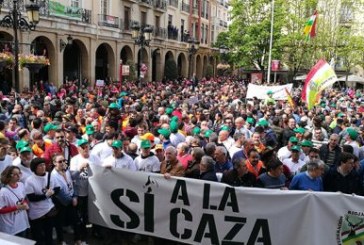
{"x":104,"y":7}
{"x":126,"y":18}
{"x":170,"y":19}
{"x":76,"y":3}
{"x":143,"y":20}
{"x":157,"y":21}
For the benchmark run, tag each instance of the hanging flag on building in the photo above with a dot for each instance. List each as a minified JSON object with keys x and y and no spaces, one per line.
{"x":310,"y":26}
{"x":319,"y":78}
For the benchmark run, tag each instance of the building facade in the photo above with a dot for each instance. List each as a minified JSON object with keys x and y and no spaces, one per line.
{"x":100,"y":31}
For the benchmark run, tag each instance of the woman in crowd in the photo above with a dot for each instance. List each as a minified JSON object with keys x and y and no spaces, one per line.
{"x":65,"y":200}
{"x":13,"y":205}
{"x":39,"y":188}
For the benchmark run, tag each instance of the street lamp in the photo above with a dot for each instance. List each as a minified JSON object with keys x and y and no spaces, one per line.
{"x":15,"y":20}
{"x":142,"y":38}
{"x":193,"y":46}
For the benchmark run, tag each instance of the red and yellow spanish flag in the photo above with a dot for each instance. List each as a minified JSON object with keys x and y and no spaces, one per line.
{"x":310,"y":27}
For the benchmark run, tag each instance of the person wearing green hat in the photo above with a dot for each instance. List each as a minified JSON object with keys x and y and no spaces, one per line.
{"x":269,"y":100}
{"x":306,"y":146}
{"x":352,"y":135}
{"x":175,"y":137}
{"x":294,"y":163}
{"x":169,"y":111}
{"x":285,"y":151}
{"x":147,"y":161}
{"x":113,"y":106}
{"x":118,"y":159}
{"x":164,"y":135}
{"x":299,"y":132}
{"x":50,"y":131}
{"x":196,"y":131}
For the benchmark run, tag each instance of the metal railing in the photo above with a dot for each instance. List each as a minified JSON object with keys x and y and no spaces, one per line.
{"x":146,"y":2}
{"x":108,"y":20}
{"x":160,"y":4}
{"x":125,"y":25}
{"x":160,"y":32}
{"x":173,"y":3}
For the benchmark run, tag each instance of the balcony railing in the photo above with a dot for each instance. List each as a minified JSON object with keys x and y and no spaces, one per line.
{"x":160,"y":5}
{"x":173,"y":3}
{"x":172,"y":32}
{"x":125,"y":25}
{"x":185,"y":7}
{"x":108,"y":20}
{"x":146,"y":2}
{"x":160,"y":32}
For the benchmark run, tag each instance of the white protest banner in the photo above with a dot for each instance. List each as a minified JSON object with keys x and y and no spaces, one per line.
{"x":100,"y":83}
{"x":198,"y":212}
{"x":260,"y":91}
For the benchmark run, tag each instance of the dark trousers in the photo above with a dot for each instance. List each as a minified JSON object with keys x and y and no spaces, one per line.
{"x":82,"y":209}
{"x":42,"y":230}
{"x":67,"y":215}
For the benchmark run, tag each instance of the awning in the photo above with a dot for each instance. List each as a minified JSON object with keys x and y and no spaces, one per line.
{"x":352,"y":78}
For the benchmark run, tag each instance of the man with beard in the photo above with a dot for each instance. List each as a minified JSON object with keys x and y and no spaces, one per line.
{"x":147,"y":161}
{"x":60,"y":146}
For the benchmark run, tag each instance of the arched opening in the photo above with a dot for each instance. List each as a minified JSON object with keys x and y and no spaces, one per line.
{"x":72,"y":61}
{"x":199,"y":67}
{"x":156,"y":65}
{"x":182,"y":65}
{"x":126,"y":54}
{"x":6,"y":73}
{"x":42,"y":46}
{"x":212,"y":63}
{"x":143,"y":59}
{"x":205,"y":65}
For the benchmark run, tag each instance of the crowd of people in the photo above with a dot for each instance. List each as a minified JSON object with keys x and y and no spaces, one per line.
{"x":207,"y":130}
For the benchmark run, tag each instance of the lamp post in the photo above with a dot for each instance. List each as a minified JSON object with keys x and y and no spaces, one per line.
{"x":193,"y":46}
{"x":142,"y":38}
{"x":15,"y":20}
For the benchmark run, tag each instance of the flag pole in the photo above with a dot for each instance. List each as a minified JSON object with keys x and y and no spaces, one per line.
{"x":270,"y":43}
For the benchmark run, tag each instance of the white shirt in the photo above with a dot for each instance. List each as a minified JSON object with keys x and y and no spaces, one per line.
{"x":81,"y":177}
{"x":294,"y":167}
{"x":125,"y":162}
{"x":26,"y":172}
{"x":228,"y":143}
{"x":65,"y":183}
{"x":36,"y":184}
{"x":16,"y":221}
{"x":6,"y":162}
{"x":148,"y":164}
{"x":102,"y":150}
{"x":283,"y":153}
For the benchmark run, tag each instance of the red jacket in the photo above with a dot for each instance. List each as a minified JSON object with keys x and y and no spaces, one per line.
{"x":55,"y":148}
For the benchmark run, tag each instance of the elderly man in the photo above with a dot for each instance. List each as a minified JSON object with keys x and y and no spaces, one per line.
{"x":171,"y":166}
{"x":222,"y":161}
{"x":330,"y":153}
{"x":311,"y":179}
{"x":182,"y":154}
{"x":207,"y":169}
{"x":224,"y":138}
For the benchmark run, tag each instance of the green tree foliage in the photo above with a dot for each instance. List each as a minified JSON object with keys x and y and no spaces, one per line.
{"x":170,"y":69}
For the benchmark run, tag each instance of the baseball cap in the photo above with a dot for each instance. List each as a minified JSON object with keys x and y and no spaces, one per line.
{"x":49,"y":126}
{"x":117,"y":144}
{"x":148,"y":136}
{"x":353,"y":134}
{"x":21,"y":144}
{"x":208,"y":133}
{"x":299,"y":130}
{"x":165,"y":132}
{"x":295,"y":148}
{"x":113,"y":106}
{"x":196,"y":131}
{"x":263,"y":123}
{"x":90,"y":129}
{"x":158,"y":147}
{"x":25,"y":149}
{"x":293,"y":139}
{"x":82,"y":142}
{"x":144,"y":144}
{"x":307,"y":143}
{"x":270,"y":92}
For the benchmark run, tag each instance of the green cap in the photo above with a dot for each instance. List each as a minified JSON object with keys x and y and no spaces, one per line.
{"x":250,"y":120}
{"x":270,"y":92}
{"x":225,"y":128}
{"x":307,"y":143}
{"x":165,"y":132}
{"x":144,"y":144}
{"x":90,"y":129}
{"x":208,"y":133}
{"x":21,"y":144}
{"x":113,"y":106}
{"x":123,"y":93}
{"x":341,"y":114}
{"x":25,"y":149}
{"x":174,"y":118}
{"x":173,"y":126}
{"x":49,"y":127}
{"x":82,"y":142}
{"x":263,"y":123}
{"x":295,"y":148}
{"x":299,"y":130}
{"x":293,"y":139}
{"x":196,"y":131}
{"x":169,"y":111}
{"x":353,"y":134}
{"x":117,"y":144}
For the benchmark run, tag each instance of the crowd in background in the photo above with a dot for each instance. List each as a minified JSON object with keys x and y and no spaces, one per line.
{"x":204,"y":130}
